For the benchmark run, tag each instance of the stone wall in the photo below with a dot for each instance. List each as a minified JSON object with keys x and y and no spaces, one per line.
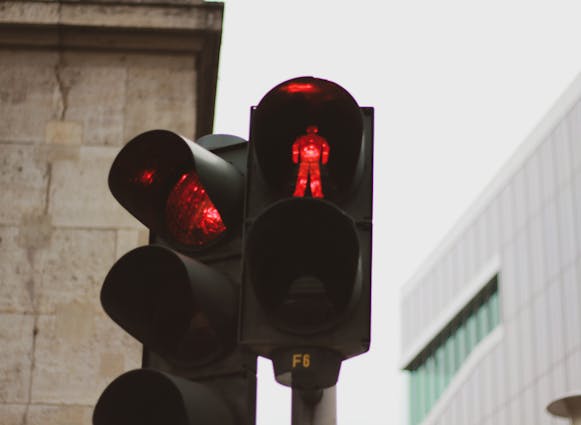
{"x":66,"y":108}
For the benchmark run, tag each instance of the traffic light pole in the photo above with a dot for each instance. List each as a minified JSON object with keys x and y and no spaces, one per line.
{"x":306,"y":272}
{"x":318,"y":407}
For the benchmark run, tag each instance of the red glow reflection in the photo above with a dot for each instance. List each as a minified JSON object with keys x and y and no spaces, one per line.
{"x":300,"y":88}
{"x":191,"y":217}
{"x":146,"y":177}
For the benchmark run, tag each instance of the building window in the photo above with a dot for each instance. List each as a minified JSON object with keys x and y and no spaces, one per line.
{"x":434,"y":368}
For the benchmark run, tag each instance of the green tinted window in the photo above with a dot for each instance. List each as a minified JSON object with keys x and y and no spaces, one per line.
{"x":471,"y":333}
{"x":421,"y":393}
{"x":440,"y":370}
{"x":450,"y":359}
{"x":414,"y":405}
{"x":482,"y":320}
{"x":447,"y":352}
{"x":460,"y":344}
{"x":429,"y":388}
{"x":494,"y":310}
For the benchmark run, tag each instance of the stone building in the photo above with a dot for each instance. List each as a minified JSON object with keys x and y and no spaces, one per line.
{"x":77,"y":81}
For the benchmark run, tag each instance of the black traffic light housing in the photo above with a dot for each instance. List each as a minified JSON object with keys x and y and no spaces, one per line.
{"x":151,"y":397}
{"x":158,"y":177}
{"x":179,"y":295}
{"x":306,"y":291}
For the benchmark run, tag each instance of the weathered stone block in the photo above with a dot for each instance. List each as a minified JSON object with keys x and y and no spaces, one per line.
{"x":170,"y":61}
{"x":153,"y":17}
{"x":65,"y":104}
{"x":24,"y":181}
{"x":16,"y":334}
{"x":149,"y":14}
{"x":161,"y":96}
{"x":79,"y":351}
{"x":130,"y":239}
{"x":16,"y":282}
{"x":94,"y":88}
{"x":28,"y":94}
{"x":34,"y":233}
{"x":64,"y":132}
{"x":80,"y":196}
{"x":13,"y":414}
{"x":13,"y":11}
{"x":71,"y":268}
{"x":59,"y":415}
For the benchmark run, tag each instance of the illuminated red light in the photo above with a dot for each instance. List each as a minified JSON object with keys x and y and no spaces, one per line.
{"x":146,"y":177}
{"x":309,"y":151}
{"x":300,"y":88}
{"x":191,"y":217}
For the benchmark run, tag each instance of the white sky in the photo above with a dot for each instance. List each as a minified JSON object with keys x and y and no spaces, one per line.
{"x":456,"y":86}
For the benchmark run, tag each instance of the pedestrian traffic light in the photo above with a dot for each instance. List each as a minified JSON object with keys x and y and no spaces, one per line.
{"x":306,"y":289}
{"x":179,"y":295}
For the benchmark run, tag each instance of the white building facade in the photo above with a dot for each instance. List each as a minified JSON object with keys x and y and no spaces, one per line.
{"x":491,"y":323}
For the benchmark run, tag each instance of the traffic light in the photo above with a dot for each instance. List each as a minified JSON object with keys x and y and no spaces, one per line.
{"x":179,"y":295}
{"x":306,"y":288}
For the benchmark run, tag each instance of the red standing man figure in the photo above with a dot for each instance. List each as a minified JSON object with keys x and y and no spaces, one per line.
{"x":308,"y":150}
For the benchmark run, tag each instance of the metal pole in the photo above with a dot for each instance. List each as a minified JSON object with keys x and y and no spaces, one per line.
{"x":317,"y":407}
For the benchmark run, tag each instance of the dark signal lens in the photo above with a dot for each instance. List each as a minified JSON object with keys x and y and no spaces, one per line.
{"x":191,"y":217}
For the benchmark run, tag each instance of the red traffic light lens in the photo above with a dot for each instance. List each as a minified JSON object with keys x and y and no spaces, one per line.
{"x":317,"y":124}
{"x":191,"y":217}
{"x":310,"y":151}
{"x":298,"y":87}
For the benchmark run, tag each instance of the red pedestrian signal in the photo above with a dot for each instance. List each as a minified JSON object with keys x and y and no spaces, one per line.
{"x":284,"y":116}
{"x":306,"y":287}
{"x":310,"y":151}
